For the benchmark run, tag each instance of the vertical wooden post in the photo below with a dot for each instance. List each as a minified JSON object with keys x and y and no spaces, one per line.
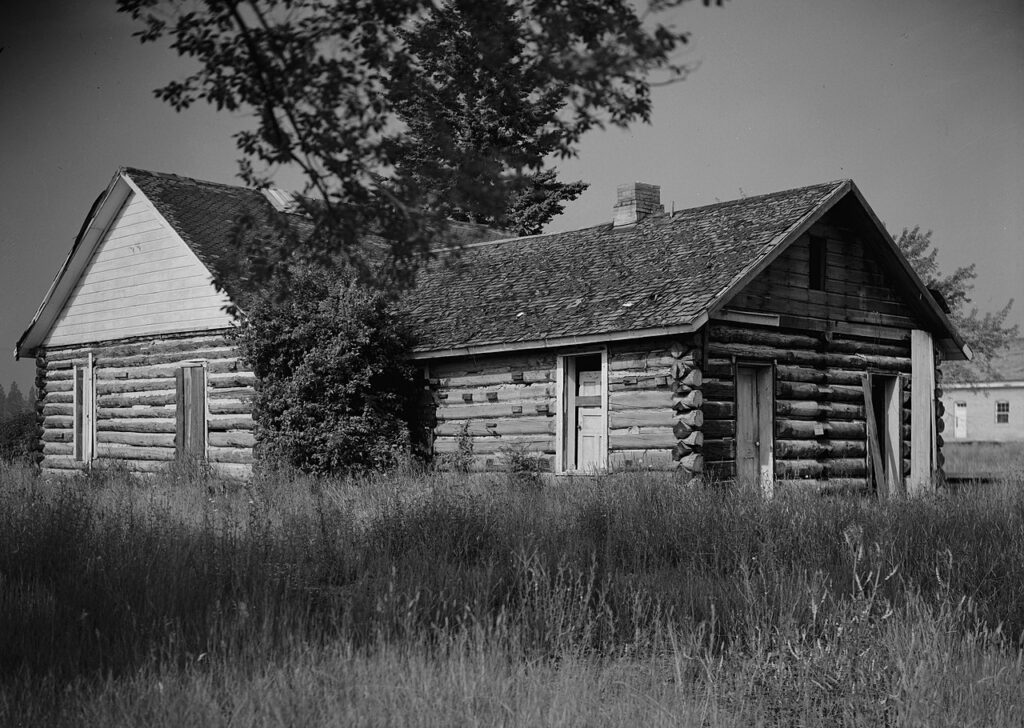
{"x":922,"y":421}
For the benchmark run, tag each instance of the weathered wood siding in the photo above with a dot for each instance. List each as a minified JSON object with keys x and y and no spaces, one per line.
{"x":825,"y":343}
{"x":142,"y":280}
{"x":136,"y":403}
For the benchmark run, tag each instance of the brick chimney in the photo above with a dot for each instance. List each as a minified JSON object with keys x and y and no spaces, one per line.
{"x":636,"y":201}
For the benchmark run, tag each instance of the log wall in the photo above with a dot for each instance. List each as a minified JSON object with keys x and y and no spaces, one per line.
{"x":509,"y":402}
{"x":825,"y":342}
{"x":497,"y":405}
{"x":136,"y":407}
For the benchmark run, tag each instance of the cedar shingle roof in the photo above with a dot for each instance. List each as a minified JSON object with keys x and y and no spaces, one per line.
{"x":666,"y":270}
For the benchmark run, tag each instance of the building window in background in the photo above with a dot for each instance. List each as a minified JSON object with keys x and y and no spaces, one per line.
{"x":1002,"y":413}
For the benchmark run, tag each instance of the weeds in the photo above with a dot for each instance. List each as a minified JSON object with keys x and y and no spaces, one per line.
{"x":473,"y":599}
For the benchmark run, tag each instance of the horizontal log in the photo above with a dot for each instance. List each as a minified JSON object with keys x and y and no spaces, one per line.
{"x":64,"y":385}
{"x":809,"y":430}
{"x":719,"y":389}
{"x":797,"y":373}
{"x":841,"y":467}
{"x":494,"y":445}
{"x":486,"y":410}
{"x":58,"y":422}
{"x":719,"y":449}
{"x":137,"y":439}
{"x":642,"y":438}
{"x":508,"y":392}
{"x":136,"y":412}
{"x":130,"y":399}
{"x":693,"y":418}
{"x":237,"y":393}
{"x":812,"y":450}
{"x":62,"y":435}
{"x":230,"y":379}
{"x":229,"y":407}
{"x":818,"y":392}
{"x":823,"y":359}
{"x":491,"y":380}
{"x":818,"y":410}
{"x":57,"y":375}
{"x":58,"y":448}
{"x":724,"y":333}
{"x":124,"y":386}
{"x":718,"y":410}
{"x":143,"y":346}
{"x":235,"y":438}
{"x":719,"y":369}
{"x":500,"y":364}
{"x":230,"y":455}
{"x":175,"y":359}
{"x":619,"y":419}
{"x":157,"y":371}
{"x":644,"y":399}
{"x":58,"y":408}
{"x":532,"y":425}
{"x":220,"y":423}
{"x":635,"y":382}
{"x":719,"y":428}
{"x":658,"y":360}
{"x":65,"y":397}
{"x":61,"y":466}
{"x":138,"y":424}
{"x":118,"y":451}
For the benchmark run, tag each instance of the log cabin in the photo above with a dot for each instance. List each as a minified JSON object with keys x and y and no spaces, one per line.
{"x":780,"y":340}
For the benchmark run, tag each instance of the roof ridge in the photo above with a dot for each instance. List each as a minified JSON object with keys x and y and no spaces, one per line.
{"x":832,"y":184}
{"x":182,"y":178}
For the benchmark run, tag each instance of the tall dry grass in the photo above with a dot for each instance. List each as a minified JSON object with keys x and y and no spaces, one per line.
{"x":429,"y":599}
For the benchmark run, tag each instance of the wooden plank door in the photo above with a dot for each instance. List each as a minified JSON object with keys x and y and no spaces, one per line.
{"x":190,"y":430}
{"x":754,"y":427}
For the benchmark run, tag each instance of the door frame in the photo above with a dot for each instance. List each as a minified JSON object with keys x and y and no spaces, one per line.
{"x":891,"y":455}
{"x":766,"y":375}
{"x":83,"y":425}
{"x":565,"y":377}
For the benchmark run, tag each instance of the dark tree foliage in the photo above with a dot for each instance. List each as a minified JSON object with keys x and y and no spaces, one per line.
{"x":987,"y":334}
{"x":17,"y":423}
{"x":467,"y":137}
{"x":336,"y":392}
{"x":342,"y":91}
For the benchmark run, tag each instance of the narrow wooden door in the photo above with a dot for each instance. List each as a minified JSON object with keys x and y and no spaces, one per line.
{"x":589,"y":420}
{"x":190,"y":433}
{"x":754,"y":423}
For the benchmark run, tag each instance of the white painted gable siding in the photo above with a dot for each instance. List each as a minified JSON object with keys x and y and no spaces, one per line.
{"x":143,"y":279}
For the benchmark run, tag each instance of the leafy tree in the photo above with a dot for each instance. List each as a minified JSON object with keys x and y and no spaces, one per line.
{"x":336,"y":392}
{"x":987,"y":334}
{"x":3,"y":403}
{"x":341,"y":91}
{"x":474,"y":132}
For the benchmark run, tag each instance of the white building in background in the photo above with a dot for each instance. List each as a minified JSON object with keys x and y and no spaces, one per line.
{"x":991,"y":410}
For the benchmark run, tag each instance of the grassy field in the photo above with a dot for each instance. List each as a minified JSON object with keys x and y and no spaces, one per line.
{"x":1002,"y":458}
{"x":430,"y":599}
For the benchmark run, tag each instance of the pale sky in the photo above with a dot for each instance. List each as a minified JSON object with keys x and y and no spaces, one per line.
{"x":920,"y":102}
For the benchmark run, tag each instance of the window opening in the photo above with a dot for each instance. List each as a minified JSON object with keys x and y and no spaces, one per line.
{"x":1002,"y":413}
{"x":816,"y":264}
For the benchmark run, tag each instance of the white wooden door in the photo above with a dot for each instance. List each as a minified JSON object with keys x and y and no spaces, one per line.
{"x":960,"y":420}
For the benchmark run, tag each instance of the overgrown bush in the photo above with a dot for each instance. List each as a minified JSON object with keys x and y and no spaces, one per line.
{"x":336,"y":392}
{"x":17,"y":436}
